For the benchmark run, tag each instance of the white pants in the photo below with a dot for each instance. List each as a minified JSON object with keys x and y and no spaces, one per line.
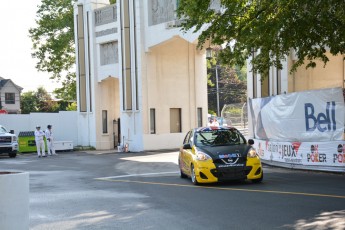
{"x":51,"y":149}
{"x":40,"y":146}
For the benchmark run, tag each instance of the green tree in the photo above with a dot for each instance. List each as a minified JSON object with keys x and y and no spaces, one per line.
{"x":230,"y":87}
{"x":53,"y":40}
{"x":45,"y":102}
{"x":38,"y":101}
{"x":53,"y":44}
{"x":273,"y":28}
{"x":72,"y":107}
{"x":28,"y":102}
{"x":68,"y":90}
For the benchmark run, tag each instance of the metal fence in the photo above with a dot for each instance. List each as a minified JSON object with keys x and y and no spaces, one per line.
{"x":236,"y":115}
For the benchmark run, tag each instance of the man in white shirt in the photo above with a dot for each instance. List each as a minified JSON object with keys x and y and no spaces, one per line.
{"x":39,"y":138}
{"x":50,"y":144}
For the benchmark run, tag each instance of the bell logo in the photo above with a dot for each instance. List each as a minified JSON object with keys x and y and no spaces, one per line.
{"x":322,"y":121}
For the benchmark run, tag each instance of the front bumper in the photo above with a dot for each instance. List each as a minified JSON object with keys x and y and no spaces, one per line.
{"x":208,"y":172}
{"x":9,"y":148}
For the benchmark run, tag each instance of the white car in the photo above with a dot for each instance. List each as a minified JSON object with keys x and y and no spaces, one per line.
{"x":8,"y":142}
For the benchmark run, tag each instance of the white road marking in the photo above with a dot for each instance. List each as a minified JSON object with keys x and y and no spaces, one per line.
{"x":136,"y":175}
{"x":16,"y":162}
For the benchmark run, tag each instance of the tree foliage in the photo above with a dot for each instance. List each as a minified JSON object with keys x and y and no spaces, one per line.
{"x":53,"y":38}
{"x":231,"y":88}
{"x":28,"y":102}
{"x":37,"y":101}
{"x":54,"y":46}
{"x":270,"y":28}
{"x":41,"y":101}
{"x":68,"y":90}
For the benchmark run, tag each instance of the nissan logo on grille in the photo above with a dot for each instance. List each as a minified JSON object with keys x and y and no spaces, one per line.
{"x":231,"y":158}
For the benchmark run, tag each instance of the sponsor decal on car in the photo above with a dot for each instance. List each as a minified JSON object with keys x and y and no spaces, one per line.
{"x":230,"y":155}
{"x":230,"y":165}
{"x":230,"y":158}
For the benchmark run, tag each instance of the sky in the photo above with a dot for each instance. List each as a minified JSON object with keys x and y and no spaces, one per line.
{"x":16,"y":62}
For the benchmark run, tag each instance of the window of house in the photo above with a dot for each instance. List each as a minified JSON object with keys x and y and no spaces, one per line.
{"x":175,"y":120}
{"x":152,"y":121}
{"x":199,"y":117}
{"x":105,"y":121}
{"x":9,"y":98}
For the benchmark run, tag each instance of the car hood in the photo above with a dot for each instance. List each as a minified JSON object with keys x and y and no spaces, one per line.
{"x":217,"y":152}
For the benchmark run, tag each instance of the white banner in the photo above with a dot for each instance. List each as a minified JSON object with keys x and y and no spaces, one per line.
{"x":303,"y":153}
{"x":315,"y":115}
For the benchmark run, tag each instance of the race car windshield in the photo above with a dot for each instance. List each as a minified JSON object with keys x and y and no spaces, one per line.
{"x":218,"y":137}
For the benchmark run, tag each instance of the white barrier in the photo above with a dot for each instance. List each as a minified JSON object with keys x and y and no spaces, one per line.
{"x":14,"y":200}
{"x":322,"y":156}
{"x":65,"y":124}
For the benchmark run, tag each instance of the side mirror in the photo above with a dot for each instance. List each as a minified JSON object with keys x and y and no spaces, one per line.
{"x":250,"y":141}
{"x":187,"y":146}
{"x":12,"y":131}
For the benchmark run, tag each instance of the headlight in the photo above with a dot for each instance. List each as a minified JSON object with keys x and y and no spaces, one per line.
{"x":202,"y":156}
{"x":251,"y":153}
{"x":14,"y":138}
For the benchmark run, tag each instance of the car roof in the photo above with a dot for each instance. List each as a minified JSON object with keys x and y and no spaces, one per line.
{"x":210,"y":128}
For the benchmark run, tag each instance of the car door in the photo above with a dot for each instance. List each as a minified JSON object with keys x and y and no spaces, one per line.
{"x":185,"y":154}
{"x":188,"y":153}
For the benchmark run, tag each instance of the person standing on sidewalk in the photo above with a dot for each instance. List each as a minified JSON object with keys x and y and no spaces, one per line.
{"x":39,"y":138}
{"x":49,"y":137}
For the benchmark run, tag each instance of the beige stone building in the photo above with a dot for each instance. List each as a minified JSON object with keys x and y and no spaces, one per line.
{"x":282,"y":81}
{"x":141,"y":82}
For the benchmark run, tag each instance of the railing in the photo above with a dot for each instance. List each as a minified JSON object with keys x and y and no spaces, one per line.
{"x":235,"y":115}
{"x":105,"y":15}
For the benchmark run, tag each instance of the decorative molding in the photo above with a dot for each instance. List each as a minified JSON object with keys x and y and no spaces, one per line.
{"x":106,"y":32}
{"x":109,"y":53}
{"x":162,"y":11}
{"x":105,"y":15}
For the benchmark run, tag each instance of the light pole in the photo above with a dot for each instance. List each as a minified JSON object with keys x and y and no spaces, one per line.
{"x":218,"y":113}
{"x":209,"y":56}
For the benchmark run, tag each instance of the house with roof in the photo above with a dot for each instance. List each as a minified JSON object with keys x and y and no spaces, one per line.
{"x":10,"y":96}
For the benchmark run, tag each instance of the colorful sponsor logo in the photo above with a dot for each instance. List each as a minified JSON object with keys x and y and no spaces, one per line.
{"x":323,"y":121}
{"x":287,"y":152}
{"x":340,"y":157}
{"x":230,"y":155}
{"x":315,"y":156}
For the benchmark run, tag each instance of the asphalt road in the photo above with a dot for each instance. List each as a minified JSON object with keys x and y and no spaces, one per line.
{"x":79,"y":190}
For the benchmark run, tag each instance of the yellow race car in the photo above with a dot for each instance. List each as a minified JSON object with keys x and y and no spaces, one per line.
{"x":215,"y":154}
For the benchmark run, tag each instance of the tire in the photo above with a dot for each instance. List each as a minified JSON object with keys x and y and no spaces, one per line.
{"x":192,"y":175}
{"x":259,"y":180}
{"x":12,"y":155}
{"x":182,"y":175}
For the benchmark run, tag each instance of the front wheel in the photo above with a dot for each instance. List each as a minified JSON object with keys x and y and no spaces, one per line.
{"x":193,"y":176}
{"x":12,"y":155}
{"x":259,"y":180}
